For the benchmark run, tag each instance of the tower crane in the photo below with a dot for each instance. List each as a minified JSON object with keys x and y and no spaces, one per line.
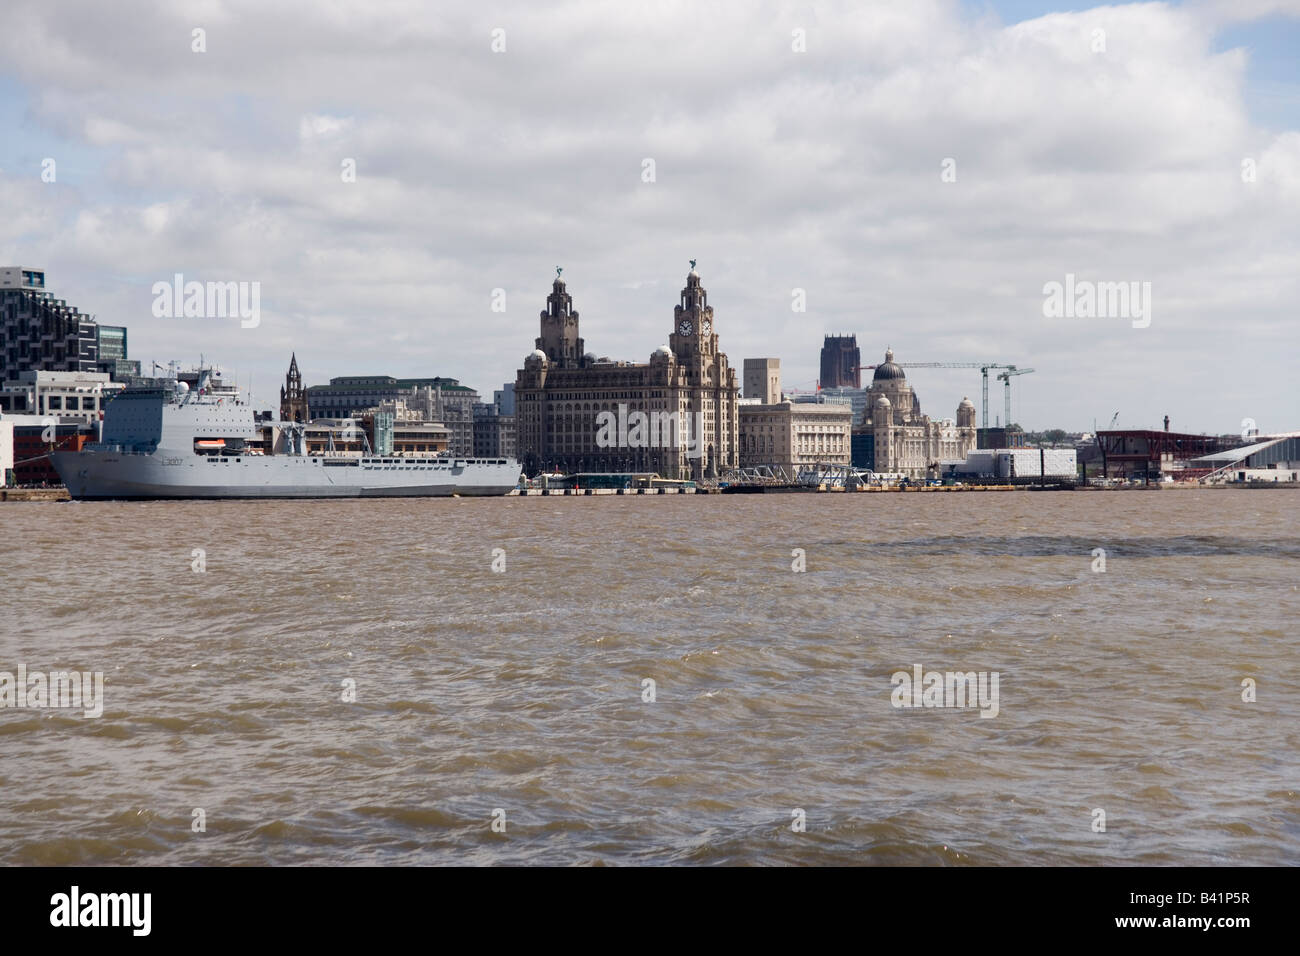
{"x":1005,"y":379}
{"x":984,"y":368}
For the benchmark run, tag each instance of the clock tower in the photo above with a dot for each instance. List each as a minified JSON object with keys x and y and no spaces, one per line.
{"x":693,"y":336}
{"x":703,"y":386}
{"x":564,"y":399}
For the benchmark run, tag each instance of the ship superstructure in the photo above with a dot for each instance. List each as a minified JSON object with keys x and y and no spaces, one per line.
{"x":194,"y":437}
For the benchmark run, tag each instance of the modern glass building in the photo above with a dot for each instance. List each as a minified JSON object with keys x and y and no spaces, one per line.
{"x":39,"y":332}
{"x":113,"y":357}
{"x":112,"y":341}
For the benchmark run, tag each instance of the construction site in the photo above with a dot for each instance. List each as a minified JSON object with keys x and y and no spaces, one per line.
{"x":841,"y":378}
{"x":1145,"y":456}
{"x":895,"y":437}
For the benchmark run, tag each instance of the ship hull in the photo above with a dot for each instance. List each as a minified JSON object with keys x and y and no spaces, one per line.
{"x":91,"y":475}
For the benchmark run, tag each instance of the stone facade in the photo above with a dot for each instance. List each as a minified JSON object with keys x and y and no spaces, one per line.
{"x":455,"y":409}
{"x":494,"y":431}
{"x":905,"y":441}
{"x":763,"y":380}
{"x":293,"y":397}
{"x":785,"y":434}
{"x":841,"y":362}
{"x":688,"y":386}
{"x":792,"y":435}
{"x":438,"y":399}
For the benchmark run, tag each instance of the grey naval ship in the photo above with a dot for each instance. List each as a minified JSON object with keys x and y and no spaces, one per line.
{"x":201,"y":441}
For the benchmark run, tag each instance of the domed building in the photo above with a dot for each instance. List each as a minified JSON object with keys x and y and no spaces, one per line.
{"x":899,"y":439}
{"x":674,"y":415}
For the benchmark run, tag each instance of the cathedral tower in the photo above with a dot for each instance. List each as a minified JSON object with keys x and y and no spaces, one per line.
{"x":293,"y":397}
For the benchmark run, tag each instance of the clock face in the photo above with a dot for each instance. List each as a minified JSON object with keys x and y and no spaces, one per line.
{"x":685,"y":327}
{"x":706,"y":326}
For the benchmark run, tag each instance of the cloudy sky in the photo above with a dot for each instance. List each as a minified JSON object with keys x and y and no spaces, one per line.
{"x":794,"y":146}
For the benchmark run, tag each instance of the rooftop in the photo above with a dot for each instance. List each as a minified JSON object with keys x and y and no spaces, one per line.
{"x":1245,"y":451}
{"x":346,"y":383}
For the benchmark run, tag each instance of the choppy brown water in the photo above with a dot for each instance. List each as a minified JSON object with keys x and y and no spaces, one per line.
{"x":522,"y":690}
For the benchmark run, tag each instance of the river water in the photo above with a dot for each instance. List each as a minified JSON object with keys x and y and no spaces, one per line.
{"x":504,"y":716}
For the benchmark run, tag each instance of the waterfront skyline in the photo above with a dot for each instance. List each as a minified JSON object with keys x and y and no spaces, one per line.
{"x":780,"y":169}
{"x":566,"y":565}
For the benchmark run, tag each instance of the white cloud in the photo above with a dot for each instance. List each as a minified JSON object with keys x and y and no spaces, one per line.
{"x":319,"y":127}
{"x":776,"y":169}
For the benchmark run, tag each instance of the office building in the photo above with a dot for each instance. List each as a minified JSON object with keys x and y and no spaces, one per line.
{"x":39,"y":332}
{"x":687,"y":392}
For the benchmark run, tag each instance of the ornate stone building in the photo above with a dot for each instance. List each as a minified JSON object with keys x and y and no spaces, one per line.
{"x":777,"y":433}
{"x":794,"y":435}
{"x":905,"y":441}
{"x":687,"y":392}
{"x":437,"y":399}
{"x":494,"y":432}
{"x":293,"y":397}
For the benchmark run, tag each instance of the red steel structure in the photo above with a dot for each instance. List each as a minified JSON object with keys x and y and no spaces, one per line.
{"x":1140,"y":451}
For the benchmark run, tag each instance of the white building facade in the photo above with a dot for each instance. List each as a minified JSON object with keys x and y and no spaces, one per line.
{"x":905,"y":441}
{"x":66,"y":396}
